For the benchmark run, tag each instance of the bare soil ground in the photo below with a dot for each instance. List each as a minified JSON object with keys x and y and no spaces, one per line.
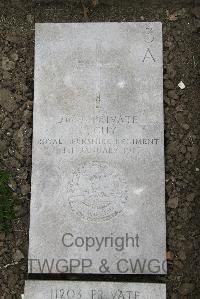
{"x":181,"y":28}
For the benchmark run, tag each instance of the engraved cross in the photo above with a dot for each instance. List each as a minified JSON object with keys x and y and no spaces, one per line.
{"x":99,"y":64}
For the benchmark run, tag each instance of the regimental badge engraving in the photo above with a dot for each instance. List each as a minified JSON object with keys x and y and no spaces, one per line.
{"x":97,"y":192}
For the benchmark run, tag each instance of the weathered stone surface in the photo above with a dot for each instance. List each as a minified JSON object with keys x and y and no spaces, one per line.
{"x":93,"y":290}
{"x":98,"y":162}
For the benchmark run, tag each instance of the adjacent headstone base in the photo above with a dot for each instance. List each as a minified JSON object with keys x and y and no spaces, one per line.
{"x":93,"y":290}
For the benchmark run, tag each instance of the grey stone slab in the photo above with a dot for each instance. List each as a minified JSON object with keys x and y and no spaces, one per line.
{"x":98,"y":163}
{"x":93,"y":290}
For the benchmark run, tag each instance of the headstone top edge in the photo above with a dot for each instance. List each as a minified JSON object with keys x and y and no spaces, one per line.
{"x":148,"y":284}
{"x":96,"y":23}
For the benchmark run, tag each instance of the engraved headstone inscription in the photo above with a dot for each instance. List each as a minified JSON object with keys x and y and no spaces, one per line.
{"x":97,"y":200}
{"x":93,"y":290}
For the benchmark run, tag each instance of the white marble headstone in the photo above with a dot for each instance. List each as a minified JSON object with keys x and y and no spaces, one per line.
{"x":93,"y":290}
{"x":97,"y":200}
